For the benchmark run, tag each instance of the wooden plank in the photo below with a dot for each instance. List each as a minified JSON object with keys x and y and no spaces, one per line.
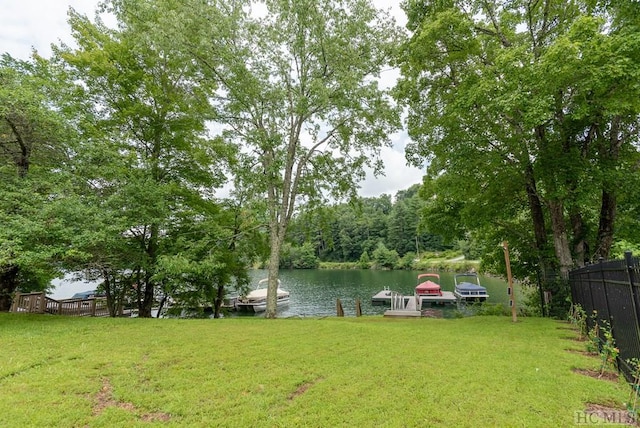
{"x":402,"y":314}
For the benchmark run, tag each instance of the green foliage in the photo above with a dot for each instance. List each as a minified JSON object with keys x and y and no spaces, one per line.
{"x":365,"y":261}
{"x":608,"y":350}
{"x":36,"y":220}
{"x":560,"y":302}
{"x":301,"y":106}
{"x":408,"y":261}
{"x":632,"y":402}
{"x":593,"y":345}
{"x":145,"y":162}
{"x":601,"y":341}
{"x":524,"y":124}
{"x":299,"y":257}
{"x":492,"y":309}
{"x":384,"y":258}
{"x":620,"y":247}
{"x":343,"y":232}
{"x":578,"y":317}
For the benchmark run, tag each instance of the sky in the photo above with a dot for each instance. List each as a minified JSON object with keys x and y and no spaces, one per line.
{"x":36,"y":24}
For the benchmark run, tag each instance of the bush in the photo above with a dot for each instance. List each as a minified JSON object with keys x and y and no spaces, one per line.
{"x":298,"y":257}
{"x":365,"y":261}
{"x":385,"y":258}
{"x":407,"y":262}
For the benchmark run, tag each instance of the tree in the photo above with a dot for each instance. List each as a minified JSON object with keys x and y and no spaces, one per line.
{"x":298,"y":92}
{"x":523,"y":109}
{"x":147,"y":162}
{"x":384,"y":258}
{"x":34,"y":142}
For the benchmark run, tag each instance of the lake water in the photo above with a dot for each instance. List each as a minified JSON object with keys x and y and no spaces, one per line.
{"x":314,"y":292}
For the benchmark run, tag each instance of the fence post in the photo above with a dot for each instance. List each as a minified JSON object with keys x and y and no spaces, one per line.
{"x":604,"y":289}
{"x":634,"y":294}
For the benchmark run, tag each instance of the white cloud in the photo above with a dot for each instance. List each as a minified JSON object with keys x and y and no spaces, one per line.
{"x":398,"y":175}
{"x":36,"y":24}
{"x":27,"y":24}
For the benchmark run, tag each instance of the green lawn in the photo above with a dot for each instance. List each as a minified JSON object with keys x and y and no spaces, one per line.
{"x":356,"y":372}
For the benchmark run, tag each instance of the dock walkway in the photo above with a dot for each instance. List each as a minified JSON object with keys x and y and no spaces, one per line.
{"x":403,"y":306}
{"x":384,"y":297}
{"x":40,"y":303}
{"x":410,"y":306}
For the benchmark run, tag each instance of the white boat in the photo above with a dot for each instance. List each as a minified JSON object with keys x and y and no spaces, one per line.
{"x":256,"y":300}
{"x":467,"y":287}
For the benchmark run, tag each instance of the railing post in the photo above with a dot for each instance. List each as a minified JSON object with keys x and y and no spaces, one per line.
{"x":15,"y":303}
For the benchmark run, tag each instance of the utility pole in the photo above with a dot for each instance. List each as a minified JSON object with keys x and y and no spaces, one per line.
{"x":512,"y":294}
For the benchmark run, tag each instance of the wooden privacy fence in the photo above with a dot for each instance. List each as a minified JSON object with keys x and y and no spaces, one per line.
{"x":612,"y":290}
{"x":39,"y":303}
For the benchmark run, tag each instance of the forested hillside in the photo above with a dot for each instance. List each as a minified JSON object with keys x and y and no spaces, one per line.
{"x":350,"y":231}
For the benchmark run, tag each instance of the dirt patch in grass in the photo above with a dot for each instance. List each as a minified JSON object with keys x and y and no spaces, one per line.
{"x":567,"y":327}
{"x":303,"y":388}
{"x":609,"y":415}
{"x":581,"y":352}
{"x":104,"y":398}
{"x":607,"y":375}
{"x":575,"y":338}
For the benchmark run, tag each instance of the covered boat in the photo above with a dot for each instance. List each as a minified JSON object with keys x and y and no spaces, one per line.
{"x":467,"y":287}
{"x":256,"y":300}
{"x":428,"y":287}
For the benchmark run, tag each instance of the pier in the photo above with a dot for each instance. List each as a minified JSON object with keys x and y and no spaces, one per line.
{"x":384,"y":297}
{"x":39,"y":303}
{"x":410,"y":306}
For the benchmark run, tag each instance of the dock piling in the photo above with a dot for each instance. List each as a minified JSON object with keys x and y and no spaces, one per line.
{"x":339,"y":310}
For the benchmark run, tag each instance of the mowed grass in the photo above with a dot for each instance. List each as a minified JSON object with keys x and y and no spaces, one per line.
{"x":364,"y":372}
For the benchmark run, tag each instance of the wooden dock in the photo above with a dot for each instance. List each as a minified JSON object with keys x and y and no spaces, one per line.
{"x":403,"y":306}
{"x":384,"y":297}
{"x":39,"y":303}
{"x":410,"y":306}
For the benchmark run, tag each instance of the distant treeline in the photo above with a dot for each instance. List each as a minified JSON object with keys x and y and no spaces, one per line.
{"x":377,"y":230}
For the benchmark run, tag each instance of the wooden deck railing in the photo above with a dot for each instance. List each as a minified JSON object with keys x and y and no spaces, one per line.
{"x":39,"y":303}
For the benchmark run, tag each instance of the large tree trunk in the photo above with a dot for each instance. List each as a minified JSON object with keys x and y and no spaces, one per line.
{"x":580,"y":244}
{"x":217,"y":303}
{"x":610,"y":155}
{"x":605,"y":227}
{"x":8,"y":284}
{"x":537,"y":218}
{"x":144,"y":309}
{"x":560,"y":240}
{"x":273,"y":268}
